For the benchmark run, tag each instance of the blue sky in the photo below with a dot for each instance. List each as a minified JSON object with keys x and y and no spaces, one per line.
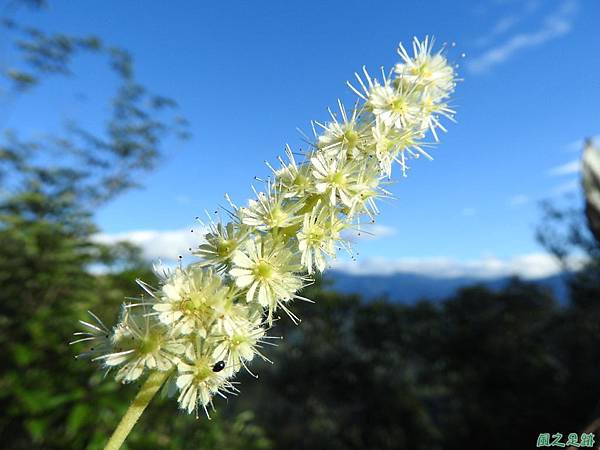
{"x":246,"y":74}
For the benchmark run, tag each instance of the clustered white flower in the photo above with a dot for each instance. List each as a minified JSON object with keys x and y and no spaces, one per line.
{"x":207,"y":321}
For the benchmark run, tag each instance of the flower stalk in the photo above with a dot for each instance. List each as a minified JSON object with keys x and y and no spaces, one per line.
{"x":138,"y":405}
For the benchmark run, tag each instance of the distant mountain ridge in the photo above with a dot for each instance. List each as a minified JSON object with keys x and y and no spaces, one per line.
{"x":409,"y":287}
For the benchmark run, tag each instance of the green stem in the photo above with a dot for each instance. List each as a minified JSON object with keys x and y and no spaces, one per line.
{"x":141,"y":400}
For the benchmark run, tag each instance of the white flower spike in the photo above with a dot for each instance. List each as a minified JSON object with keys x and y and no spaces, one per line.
{"x":203,"y":323}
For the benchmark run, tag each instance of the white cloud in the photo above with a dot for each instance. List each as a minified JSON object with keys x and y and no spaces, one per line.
{"x":528,"y":266}
{"x":507,"y":22}
{"x":567,"y":187}
{"x":167,"y":245}
{"x":501,"y":26}
{"x":555,"y":25}
{"x":518,"y":200}
{"x":569,"y":168}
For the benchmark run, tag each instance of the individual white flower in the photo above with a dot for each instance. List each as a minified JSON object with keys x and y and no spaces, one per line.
{"x":269,"y":270}
{"x":399,"y":106}
{"x":392,"y":145}
{"x":231,"y":312}
{"x":368,"y":190}
{"x":240,"y":343}
{"x":271,"y":210}
{"x":138,"y":342}
{"x":427,"y":69}
{"x":199,"y":377}
{"x":347,"y":137}
{"x":334,"y":177}
{"x":431,"y":112}
{"x":317,"y":238}
{"x":220,"y":243}
{"x":386,"y":148}
{"x":191,"y":300}
{"x":295,"y":179}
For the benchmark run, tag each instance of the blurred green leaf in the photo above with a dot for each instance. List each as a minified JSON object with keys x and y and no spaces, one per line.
{"x":77,"y":418}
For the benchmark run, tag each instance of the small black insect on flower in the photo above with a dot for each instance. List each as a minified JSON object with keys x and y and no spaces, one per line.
{"x":218,"y":366}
